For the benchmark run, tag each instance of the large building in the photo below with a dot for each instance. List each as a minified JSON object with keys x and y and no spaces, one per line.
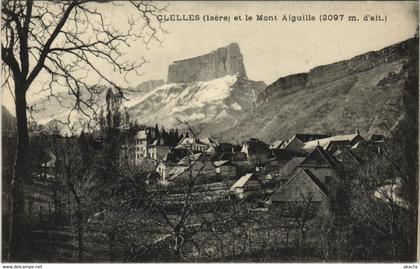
{"x":140,"y":141}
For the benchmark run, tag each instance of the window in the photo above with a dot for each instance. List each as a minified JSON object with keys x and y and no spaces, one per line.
{"x":218,"y":170}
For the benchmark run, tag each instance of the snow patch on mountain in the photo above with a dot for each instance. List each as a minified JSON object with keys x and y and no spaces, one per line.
{"x":215,"y":90}
{"x":214,"y":101}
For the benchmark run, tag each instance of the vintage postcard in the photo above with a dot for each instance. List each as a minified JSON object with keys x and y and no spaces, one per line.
{"x":209,"y":131}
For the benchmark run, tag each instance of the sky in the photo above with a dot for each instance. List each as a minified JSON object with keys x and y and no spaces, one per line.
{"x":270,"y":49}
{"x":275,"y":49}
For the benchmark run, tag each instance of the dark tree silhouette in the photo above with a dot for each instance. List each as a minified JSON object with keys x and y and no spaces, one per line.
{"x":68,"y":42}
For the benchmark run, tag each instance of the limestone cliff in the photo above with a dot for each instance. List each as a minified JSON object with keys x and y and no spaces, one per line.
{"x":216,"y":64}
{"x":321,"y":75}
{"x":284,"y":84}
{"x":365,"y":91}
{"x":327,"y":73}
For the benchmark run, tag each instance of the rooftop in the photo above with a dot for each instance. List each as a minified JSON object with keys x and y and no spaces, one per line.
{"x":242,"y":181}
{"x":325,"y":141}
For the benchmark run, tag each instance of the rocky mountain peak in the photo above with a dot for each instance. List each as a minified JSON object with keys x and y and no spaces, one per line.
{"x":216,"y":64}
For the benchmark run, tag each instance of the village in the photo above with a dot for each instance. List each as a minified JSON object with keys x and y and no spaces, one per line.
{"x":219,"y":199}
{"x":279,"y":174}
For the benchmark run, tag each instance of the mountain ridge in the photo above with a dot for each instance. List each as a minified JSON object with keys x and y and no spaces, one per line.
{"x":360,"y":61}
{"x":363,"y":92}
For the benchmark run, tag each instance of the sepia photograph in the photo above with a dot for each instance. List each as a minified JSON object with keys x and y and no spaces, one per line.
{"x":209,"y":132}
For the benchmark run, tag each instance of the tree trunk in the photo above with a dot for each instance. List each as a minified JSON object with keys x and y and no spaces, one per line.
{"x":79,"y":213}
{"x":111,"y":244}
{"x":16,"y":236}
{"x":179,"y":241}
{"x":80,"y":248}
{"x":56,"y":202}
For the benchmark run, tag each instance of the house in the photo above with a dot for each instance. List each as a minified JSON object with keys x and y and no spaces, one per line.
{"x":334,"y":146}
{"x":192,"y":143}
{"x":378,"y":138}
{"x":298,"y":140}
{"x":310,"y":137}
{"x":247,"y":187}
{"x":287,"y":154}
{"x":257,"y":151}
{"x":304,"y":191}
{"x":236,"y":157}
{"x":202,"y":169}
{"x":320,"y":163}
{"x":223,"y":149}
{"x":141,"y":150}
{"x":225,"y":169}
{"x":334,"y":141}
{"x":175,"y":172}
{"x":281,"y":157}
{"x":377,"y":141}
{"x":162,"y":169}
{"x":277,"y":144}
{"x":348,"y":157}
{"x":367,"y":148}
{"x":293,"y":143}
{"x":283,"y":174}
{"x":211,"y":144}
{"x":158,"y":150}
{"x":227,"y":151}
{"x":176,"y":154}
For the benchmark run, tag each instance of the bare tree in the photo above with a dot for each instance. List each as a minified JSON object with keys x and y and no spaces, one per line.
{"x":186,"y":212}
{"x":386,"y":187}
{"x":67,"y":41}
{"x":74,"y":162}
{"x":179,"y":227}
{"x":380,"y":204}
